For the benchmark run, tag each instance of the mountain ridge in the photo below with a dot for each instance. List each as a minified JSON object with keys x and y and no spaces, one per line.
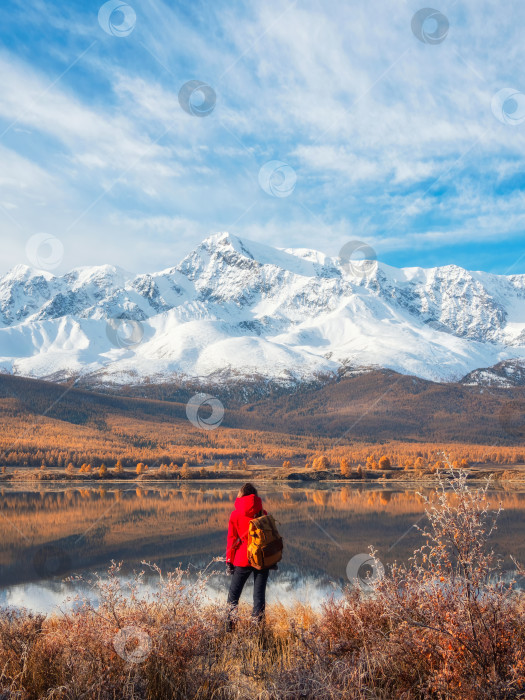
{"x":238,"y":309}
{"x":376,"y":406}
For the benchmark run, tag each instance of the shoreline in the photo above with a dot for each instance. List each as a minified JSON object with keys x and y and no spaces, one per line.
{"x":399,"y":477}
{"x":414,"y":483}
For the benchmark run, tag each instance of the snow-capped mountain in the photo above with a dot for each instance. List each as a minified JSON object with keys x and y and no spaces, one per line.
{"x":237,"y":309}
{"x":504,"y":374}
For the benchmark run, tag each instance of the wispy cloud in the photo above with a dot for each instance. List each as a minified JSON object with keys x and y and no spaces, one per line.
{"x":392,"y":140}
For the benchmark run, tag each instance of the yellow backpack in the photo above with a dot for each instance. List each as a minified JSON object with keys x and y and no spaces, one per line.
{"x":265,"y":544}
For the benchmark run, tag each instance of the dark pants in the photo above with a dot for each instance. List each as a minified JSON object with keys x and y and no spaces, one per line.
{"x":240,"y":575}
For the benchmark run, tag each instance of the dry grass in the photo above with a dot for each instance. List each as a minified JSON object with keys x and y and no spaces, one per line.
{"x":446,"y":625}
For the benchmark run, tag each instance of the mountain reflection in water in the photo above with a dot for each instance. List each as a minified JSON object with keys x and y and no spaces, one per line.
{"x":51,"y":532}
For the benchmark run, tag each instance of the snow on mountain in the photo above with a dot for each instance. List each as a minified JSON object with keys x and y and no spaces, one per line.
{"x":504,"y":374}
{"x":238,"y":309}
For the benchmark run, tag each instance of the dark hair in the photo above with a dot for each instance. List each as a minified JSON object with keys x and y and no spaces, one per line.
{"x":248,"y":490}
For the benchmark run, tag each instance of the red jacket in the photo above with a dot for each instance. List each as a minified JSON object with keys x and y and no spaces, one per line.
{"x":246,"y":508}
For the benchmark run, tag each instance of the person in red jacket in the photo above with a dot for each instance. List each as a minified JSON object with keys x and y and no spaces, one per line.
{"x":248,"y":505}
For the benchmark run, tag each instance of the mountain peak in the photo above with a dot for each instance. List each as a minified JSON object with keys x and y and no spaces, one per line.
{"x":23,"y":273}
{"x":243,"y":308}
{"x":97,"y":274}
{"x":304,"y":262}
{"x":220,"y":238}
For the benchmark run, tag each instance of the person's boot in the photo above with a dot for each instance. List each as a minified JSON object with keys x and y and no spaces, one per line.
{"x":260,"y":631}
{"x":229,"y":625}
{"x":257,"y":623}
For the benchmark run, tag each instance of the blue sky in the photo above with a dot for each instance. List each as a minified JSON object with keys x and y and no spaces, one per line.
{"x":388,"y":139}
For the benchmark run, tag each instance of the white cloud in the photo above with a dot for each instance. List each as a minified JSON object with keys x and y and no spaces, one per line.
{"x":374,"y":122}
{"x":20,"y":175}
{"x":95,"y":139}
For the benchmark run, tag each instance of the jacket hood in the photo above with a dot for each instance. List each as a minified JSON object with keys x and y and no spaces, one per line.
{"x":248,"y":505}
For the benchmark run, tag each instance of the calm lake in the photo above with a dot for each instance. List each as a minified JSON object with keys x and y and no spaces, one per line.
{"x":51,"y":532}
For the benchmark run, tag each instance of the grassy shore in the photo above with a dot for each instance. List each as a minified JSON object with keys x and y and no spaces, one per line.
{"x":445,"y":625}
{"x":253,"y":473}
